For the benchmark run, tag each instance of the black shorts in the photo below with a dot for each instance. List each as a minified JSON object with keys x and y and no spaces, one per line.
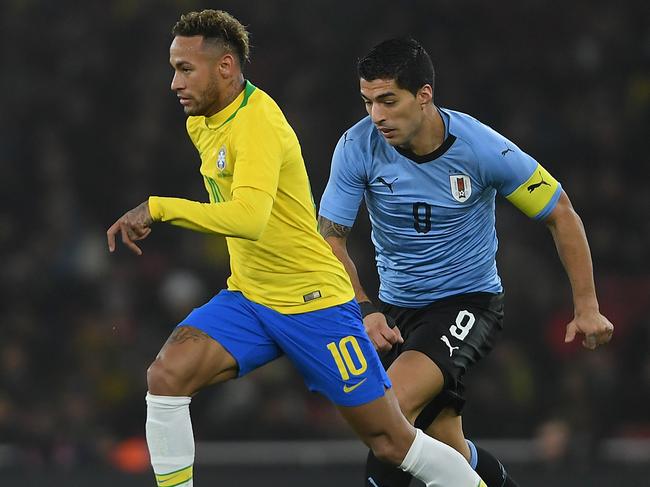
{"x":454,"y":332}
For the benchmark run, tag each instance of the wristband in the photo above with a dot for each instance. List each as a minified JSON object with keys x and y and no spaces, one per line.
{"x":367,"y":308}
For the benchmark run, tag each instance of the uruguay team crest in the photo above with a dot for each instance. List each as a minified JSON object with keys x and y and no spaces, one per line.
{"x":461,"y":187}
{"x":221,"y":158}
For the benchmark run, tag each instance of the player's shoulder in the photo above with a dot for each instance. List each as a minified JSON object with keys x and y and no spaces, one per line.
{"x":260,"y":107}
{"x":480,"y":137}
{"x":194,"y":126}
{"x":362,"y":129}
{"x":194,"y":123}
{"x":360,"y":137}
{"x":260,"y":102}
{"x":468,"y":128}
{"x":259,"y":99}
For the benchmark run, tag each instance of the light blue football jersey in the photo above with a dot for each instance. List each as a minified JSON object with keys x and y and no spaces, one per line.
{"x":433,"y":219}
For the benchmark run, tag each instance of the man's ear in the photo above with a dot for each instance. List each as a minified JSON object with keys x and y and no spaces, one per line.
{"x":227,"y":65}
{"x":425,"y":95}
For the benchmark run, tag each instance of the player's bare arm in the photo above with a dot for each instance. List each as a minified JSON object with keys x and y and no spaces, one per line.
{"x":381,"y":334}
{"x":330,"y":229}
{"x":134,"y":225}
{"x":571,"y":242}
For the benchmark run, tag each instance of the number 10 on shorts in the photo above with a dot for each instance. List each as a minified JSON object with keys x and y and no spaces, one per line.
{"x":343,"y":358}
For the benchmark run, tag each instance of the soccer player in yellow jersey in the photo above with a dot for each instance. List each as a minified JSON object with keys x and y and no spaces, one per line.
{"x":288,"y":293}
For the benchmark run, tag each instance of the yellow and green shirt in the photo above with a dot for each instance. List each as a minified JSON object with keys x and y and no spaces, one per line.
{"x":260,"y":199}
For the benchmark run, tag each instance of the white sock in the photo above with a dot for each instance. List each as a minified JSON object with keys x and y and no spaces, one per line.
{"x":438,"y":465}
{"x":170,"y":440}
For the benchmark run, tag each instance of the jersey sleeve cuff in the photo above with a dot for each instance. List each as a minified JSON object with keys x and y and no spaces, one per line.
{"x":155,"y":208}
{"x":334,"y":218}
{"x":546,"y":211}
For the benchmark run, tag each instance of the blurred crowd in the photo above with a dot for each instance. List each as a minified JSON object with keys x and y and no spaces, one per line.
{"x":89,"y":129}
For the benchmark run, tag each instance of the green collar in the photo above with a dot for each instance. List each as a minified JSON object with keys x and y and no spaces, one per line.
{"x":249,"y":88}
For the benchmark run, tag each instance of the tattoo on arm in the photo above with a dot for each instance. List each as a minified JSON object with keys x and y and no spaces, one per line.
{"x":328,"y":228}
{"x":182,"y":334}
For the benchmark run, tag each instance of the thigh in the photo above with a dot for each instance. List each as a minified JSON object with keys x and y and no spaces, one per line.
{"x":454,"y":333}
{"x":331,"y":350}
{"x":188,"y":361}
{"x":231,"y":321}
{"x":416,"y":380}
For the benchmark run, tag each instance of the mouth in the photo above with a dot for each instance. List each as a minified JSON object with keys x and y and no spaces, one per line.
{"x":184,"y":100}
{"x":386,"y":131}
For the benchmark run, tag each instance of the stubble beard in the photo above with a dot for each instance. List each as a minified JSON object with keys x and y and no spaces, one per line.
{"x":208,"y":98}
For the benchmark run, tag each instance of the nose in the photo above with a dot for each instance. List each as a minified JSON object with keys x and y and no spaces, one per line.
{"x":176,"y":82}
{"x":377,"y":114}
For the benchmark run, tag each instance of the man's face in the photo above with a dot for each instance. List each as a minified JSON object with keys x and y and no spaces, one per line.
{"x":196,"y":80}
{"x":396,"y":112}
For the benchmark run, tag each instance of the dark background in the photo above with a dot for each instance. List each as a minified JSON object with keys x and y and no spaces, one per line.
{"x":89,"y":129}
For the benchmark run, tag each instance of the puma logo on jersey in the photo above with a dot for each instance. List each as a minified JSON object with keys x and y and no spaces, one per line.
{"x":533,"y":187}
{"x":386,"y":183}
{"x":345,"y":139}
{"x":446,"y":341}
{"x":504,"y":152}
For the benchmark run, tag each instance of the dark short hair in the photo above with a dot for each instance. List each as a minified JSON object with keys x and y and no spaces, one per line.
{"x":403,"y":60}
{"x":217,"y":26}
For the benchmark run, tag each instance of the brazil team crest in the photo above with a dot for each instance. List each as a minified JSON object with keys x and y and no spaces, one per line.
{"x":221,"y":158}
{"x":461,"y":187}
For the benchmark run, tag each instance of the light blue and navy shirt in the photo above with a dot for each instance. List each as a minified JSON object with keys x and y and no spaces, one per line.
{"x":433,"y":216}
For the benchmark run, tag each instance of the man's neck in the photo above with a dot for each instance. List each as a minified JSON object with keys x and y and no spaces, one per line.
{"x":232,"y":90}
{"x":431,"y":134}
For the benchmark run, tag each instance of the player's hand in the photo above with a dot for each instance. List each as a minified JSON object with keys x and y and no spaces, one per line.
{"x":381,"y":334}
{"x":597,"y":329}
{"x":134,"y":225}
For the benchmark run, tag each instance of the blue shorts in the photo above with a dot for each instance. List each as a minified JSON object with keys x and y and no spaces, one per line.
{"x":328,"y":346}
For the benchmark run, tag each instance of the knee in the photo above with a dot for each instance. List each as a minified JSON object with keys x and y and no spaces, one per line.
{"x":409,"y":408}
{"x":163,"y":380}
{"x":410,"y":412}
{"x":389,"y":449}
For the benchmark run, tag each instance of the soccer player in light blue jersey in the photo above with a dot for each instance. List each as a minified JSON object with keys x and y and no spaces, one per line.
{"x":429,"y":177}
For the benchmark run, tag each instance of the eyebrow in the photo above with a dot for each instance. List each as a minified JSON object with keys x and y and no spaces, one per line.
{"x":179,"y":63}
{"x":380,"y":97}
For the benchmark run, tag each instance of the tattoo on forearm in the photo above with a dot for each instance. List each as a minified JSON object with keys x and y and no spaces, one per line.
{"x":182,"y":334}
{"x":328,"y":228}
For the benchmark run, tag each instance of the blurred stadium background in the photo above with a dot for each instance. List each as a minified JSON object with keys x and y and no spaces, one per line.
{"x":89,"y":129}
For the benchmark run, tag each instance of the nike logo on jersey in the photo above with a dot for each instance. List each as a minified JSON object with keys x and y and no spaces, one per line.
{"x":348,"y":389}
{"x":533,"y":187}
{"x":504,"y":152}
{"x":446,"y":342}
{"x":386,"y":183}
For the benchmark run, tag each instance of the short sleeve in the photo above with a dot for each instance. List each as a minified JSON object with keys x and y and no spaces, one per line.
{"x":519,"y":177}
{"x":346,"y":184}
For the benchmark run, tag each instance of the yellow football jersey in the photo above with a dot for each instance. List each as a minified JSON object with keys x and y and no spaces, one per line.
{"x":250,"y":146}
